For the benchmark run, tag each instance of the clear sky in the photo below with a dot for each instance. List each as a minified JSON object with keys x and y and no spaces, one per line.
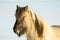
{"x":47,"y":9}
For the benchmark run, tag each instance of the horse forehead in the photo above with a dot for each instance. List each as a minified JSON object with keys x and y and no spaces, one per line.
{"x":26,"y":14}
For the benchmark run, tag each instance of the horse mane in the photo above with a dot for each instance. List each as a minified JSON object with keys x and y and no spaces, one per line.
{"x":38,"y":27}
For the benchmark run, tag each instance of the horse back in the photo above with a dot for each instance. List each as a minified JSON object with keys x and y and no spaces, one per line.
{"x":56,"y":29}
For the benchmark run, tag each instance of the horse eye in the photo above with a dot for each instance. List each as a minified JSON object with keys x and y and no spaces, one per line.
{"x":23,"y":17}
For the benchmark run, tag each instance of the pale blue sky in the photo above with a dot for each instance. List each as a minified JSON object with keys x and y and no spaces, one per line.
{"x":47,"y":9}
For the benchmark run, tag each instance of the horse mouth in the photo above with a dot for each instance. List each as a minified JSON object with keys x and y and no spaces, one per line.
{"x":21,"y":31}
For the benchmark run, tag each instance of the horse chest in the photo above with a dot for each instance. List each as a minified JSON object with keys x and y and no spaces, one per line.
{"x":33,"y":37}
{"x":29,"y":37}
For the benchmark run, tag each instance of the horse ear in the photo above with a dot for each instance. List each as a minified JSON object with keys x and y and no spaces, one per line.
{"x":26,"y":7}
{"x":17,"y":6}
{"x":38,"y":26}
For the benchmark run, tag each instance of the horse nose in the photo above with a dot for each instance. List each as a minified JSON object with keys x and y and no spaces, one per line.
{"x":14,"y":29}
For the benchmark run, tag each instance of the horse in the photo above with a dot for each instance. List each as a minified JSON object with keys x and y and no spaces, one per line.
{"x":32,"y":25}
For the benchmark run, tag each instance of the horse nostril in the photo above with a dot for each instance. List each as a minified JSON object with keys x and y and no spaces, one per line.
{"x":16,"y":31}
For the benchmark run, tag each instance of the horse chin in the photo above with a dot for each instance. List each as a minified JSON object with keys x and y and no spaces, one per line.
{"x":19,"y":34}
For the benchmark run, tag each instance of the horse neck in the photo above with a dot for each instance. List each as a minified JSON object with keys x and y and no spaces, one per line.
{"x":32,"y":34}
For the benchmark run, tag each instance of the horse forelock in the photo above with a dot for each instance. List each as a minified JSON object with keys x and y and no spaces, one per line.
{"x":21,"y":10}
